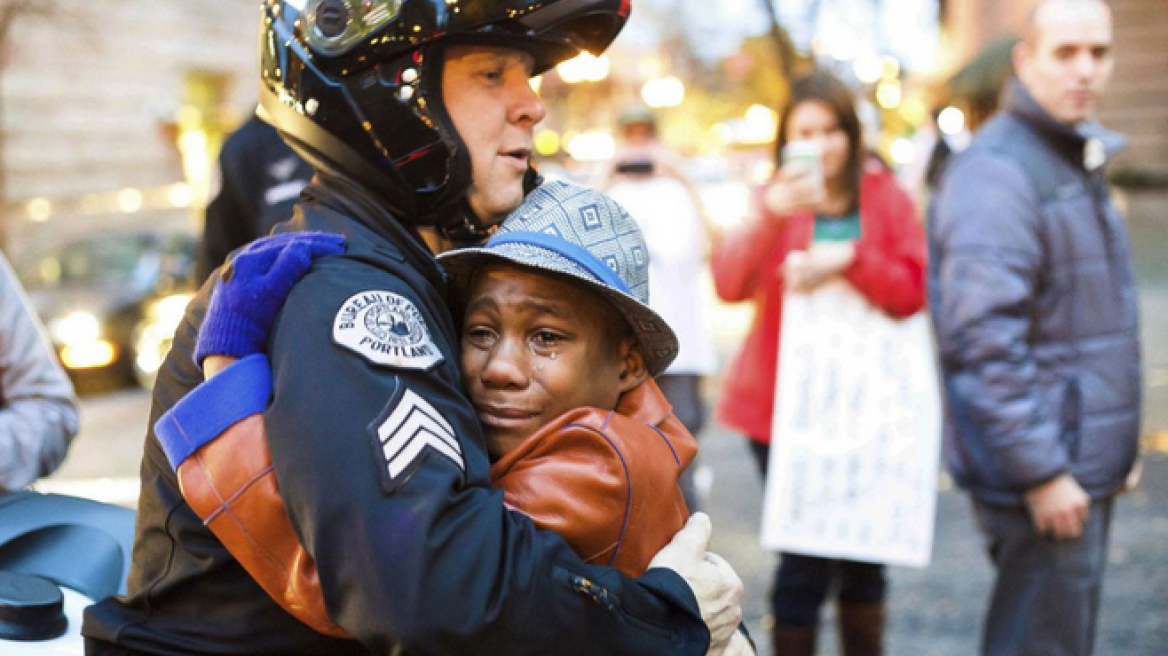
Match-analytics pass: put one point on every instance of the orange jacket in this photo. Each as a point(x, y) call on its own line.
point(606, 481)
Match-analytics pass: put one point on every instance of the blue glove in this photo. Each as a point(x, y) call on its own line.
point(252, 290)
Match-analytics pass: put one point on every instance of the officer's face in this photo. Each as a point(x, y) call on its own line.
point(535, 346)
point(490, 99)
point(1065, 61)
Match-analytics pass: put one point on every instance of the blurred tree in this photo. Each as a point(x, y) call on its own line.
point(11, 12)
point(724, 90)
point(783, 45)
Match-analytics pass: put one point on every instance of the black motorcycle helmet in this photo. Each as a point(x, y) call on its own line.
point(355, 86)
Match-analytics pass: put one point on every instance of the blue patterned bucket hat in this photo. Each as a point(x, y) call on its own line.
point(578, 232)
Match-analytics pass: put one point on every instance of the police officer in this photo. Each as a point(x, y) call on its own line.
point(259, 181)
point(414, 113)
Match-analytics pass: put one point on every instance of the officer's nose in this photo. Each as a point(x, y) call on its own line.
point(526, 107)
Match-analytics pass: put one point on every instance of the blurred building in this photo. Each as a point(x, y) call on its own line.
point(1137, 101)
point(113, 110)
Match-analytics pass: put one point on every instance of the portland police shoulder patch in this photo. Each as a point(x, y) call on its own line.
point(387, 329)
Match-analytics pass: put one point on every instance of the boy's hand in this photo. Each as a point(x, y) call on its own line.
point(253, 288)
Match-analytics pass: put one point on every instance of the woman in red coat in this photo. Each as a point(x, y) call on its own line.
point(852, 221)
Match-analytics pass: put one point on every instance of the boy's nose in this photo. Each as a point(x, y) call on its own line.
point(505, 366)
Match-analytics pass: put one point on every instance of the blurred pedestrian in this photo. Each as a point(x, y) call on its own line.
point(38, 410)
point(1035, 310)
point(853, 221)
point(936, 148)
point(946, 146)
point(647, 178)
point(260, 179)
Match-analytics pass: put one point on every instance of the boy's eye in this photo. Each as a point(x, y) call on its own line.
point(479, 336)
point(546, 340)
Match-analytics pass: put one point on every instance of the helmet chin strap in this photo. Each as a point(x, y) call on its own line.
point(471, 230)
point(466, 229)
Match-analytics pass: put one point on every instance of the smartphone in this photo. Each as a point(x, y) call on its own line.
point(807, 155)
point(635, 167)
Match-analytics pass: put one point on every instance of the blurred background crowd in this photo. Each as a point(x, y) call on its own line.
point(113, 115)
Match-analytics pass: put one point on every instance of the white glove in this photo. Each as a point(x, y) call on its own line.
point(713, 581)
point(738, 646)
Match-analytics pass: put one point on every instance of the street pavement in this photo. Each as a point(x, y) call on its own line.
point(935, 611)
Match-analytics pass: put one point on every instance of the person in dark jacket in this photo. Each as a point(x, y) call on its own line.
point(413, 114)
point(1035, 311)
point(260, 179)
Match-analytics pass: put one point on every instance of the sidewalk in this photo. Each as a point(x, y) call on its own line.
point(937, 611)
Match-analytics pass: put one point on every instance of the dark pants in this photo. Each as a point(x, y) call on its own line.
point(98, 648)
point(683, 391)
point(802, 583)
point(1046, 594)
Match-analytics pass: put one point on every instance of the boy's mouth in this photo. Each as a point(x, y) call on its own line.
point(502, 416)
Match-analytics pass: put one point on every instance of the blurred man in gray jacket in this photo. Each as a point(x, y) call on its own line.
point(38, 411)
point(1035, 309)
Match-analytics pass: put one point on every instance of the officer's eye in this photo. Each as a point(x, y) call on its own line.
point(494, 74)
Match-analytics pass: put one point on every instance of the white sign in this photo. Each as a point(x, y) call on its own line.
point(853, 462)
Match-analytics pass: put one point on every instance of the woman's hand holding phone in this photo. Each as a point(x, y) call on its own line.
point(798, 186)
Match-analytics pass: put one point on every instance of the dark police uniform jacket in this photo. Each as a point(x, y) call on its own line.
point(385, 475)
point(260, 183)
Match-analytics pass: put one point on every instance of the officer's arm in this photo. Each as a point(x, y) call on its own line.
point(384, 474)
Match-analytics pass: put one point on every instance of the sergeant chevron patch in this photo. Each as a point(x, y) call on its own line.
point(406, 432)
